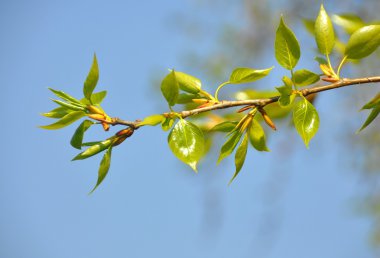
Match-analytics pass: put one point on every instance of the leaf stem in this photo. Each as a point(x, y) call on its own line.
point(340, 65)
point(218, 89)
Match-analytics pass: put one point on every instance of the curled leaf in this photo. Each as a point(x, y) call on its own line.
point(65, 121)
point(91, 80)
point(77, 139)
point(240, 155)
point(103, 168)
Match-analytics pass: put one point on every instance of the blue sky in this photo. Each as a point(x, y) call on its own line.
point(150, 205)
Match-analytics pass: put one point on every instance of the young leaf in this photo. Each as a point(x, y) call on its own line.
point(185, 98)
point(226, 126)
point(153, 120)
point(91, 80)
point(374, 104)
point(229, 146)
point(287, 49)
point(188, 83)
point(103, 168)
point(95, 149)
point(71, 106)
point(77, 139)
point(286, 96)
point(65, 121)
point(66, 97)
point(257, 136)
point(306, 120)
point(97, 98)
point(170, 88)
point(58, 112)
point(324, 32)
point(240, 155)
point(309, 25)
point(375, 111)
point(246, 75)
point(304, 77)
point(167, 123)
point(349, 22)
point(363, 42)
point(320, 60)
point(186, 141)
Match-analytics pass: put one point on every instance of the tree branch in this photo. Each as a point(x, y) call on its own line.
point(255, 102)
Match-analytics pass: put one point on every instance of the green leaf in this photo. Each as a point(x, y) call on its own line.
point(91, 80)
point(185, 98)
point(324, 32)
point(170, 88)
point(69, 105)
point(77, 139)
point(246, 75)
point(306, 120)
point(98, 97)
point(90, 143)
point(58, 112)
point(95, 149)
point(349, 22)
point(167, 123)
point(152, 120)
point(321, 60)
point(66, 97)
point(309, 25)
point(305, 77)
point(287, 49)
point(65, 121)
point(186, 141)
point(375, 111)
point(240, 155)
point(257, 136)
point(363, 42)
point(229, 146)
point(286, 92)
point(187, 82)
point(103, 168)
point(373, 103)
point(226, 126)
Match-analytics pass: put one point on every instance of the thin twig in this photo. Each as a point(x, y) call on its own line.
point(256, 102)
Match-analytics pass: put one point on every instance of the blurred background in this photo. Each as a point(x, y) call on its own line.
point(291, 202)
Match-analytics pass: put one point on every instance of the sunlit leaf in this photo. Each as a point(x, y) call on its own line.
point(103, 168)
point(240, 155)
point(188, 82)
point(167, 123)
point(152, 120)
point(65, 121)
point(246, 75)
point(186, 141)
point(66, 96)
point(257, 136)
point(96, 98)
point(170, 88)
point(58, 112)
point(67, 105)
point(305, 77)
point(349, 22)
point(91, 80)
point(363, 42)
point(287, 49)
point(306, 120)
point(95, 149)
point(77, 139)
point(226, 126)
point(229, 146)
point(324, 32)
